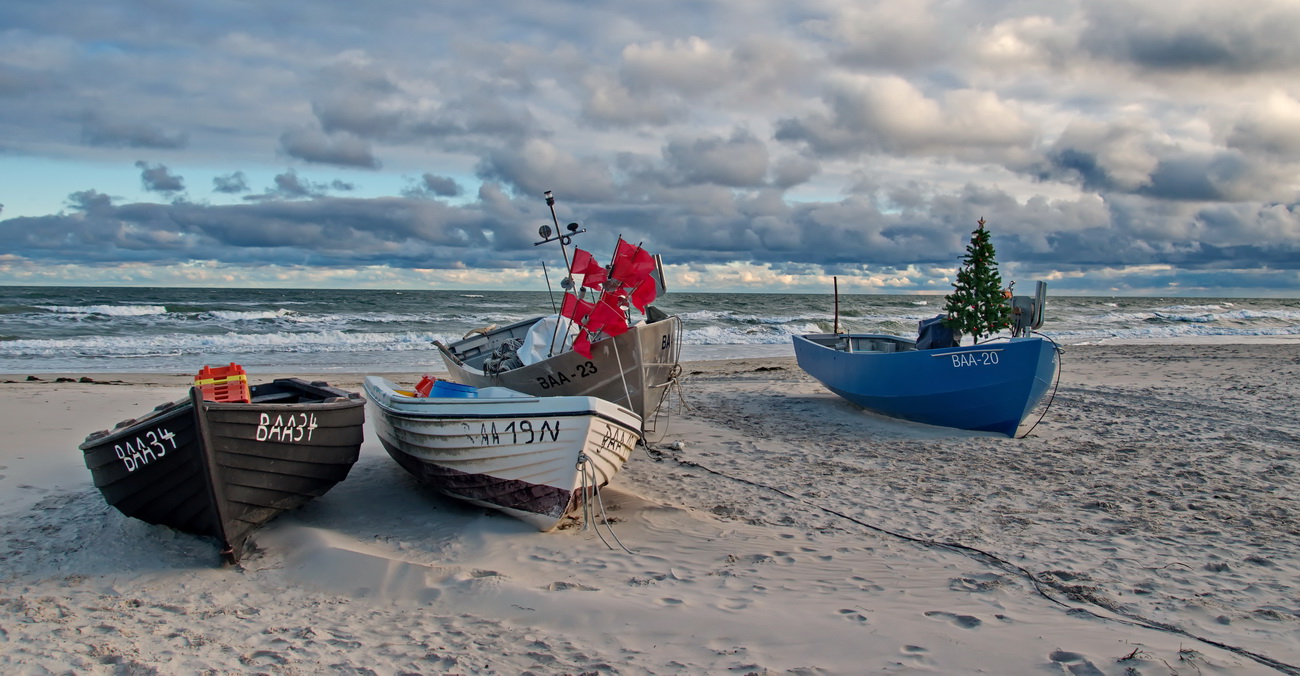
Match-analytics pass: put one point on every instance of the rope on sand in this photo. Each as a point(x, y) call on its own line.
point(1039, 585)
point(589, 489)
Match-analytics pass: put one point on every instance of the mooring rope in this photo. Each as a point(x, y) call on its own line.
point(588, 472)
point(627, 392)
point(1059, 359)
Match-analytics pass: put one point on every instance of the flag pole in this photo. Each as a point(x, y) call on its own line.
point(548, 288)
point(836, 280)
point(564, 238)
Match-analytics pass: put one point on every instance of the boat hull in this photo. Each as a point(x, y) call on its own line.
point(633, 370)
point(534, 458)
point(990, 387)
point(223, 469)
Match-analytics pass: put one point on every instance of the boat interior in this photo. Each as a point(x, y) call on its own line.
point(862, 342)
point(294, 391)
point(493, 350)
point(481, 345)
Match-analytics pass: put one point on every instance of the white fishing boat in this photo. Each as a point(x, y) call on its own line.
point(535, 458)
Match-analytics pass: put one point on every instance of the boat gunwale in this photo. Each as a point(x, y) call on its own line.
point(380, 400)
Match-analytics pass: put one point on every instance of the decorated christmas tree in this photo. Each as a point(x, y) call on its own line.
point(978, 305)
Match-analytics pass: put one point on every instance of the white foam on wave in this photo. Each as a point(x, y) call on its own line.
point(106, 310)
point(177, 343)
point(230, 315)
point(763, 335)
point(1169, 333)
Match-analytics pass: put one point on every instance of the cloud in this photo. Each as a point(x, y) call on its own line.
point(739, 161)
point(231, 183)
point(537, 166)
point(869, 114)
point(339, 149)
point(158, 178)
point(1134, 156)
point(1270, 126)
point(434, 186)
point(289, 185)
point(1123, 137)
point(1197, 36)
point(96, 131)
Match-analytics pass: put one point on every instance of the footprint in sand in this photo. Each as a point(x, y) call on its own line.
point(917, 658)
point(566, 586)
point(1074, 663)
point(853, 615)
point(977, 583)
point(963, 621)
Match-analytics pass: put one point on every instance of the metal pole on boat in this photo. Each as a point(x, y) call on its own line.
point(836, 281)
point(564, 238)
point(549, 289)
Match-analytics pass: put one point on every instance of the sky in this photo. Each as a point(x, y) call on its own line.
point(1112, 148)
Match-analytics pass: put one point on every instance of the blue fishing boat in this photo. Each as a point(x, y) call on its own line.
point(992, 386)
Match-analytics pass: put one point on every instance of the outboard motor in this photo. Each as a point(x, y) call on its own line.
point(1027, 313)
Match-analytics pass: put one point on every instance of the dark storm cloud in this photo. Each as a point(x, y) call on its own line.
point(158, 178)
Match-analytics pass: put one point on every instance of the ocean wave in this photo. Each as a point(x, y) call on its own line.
point(106, 310)
point(1229, 315)
point(766, 335)
point(254, 315)
point(323, 341)
point(1171, 331)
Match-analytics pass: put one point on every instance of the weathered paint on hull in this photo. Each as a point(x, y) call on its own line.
point(230, 467)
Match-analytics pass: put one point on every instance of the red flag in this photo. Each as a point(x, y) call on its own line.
point(608, 317)
point(644, 294)
point(582, 344)
point(582, 260)
point(632, 264)
point(575, 309)
point(593, 273)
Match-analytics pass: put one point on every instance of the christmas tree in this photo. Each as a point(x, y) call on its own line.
point(978, 305)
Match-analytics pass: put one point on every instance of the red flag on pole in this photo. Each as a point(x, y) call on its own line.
point(644, 294)
point(632, 264)
point(582, 344)
point(607, 317)
point(593, 273)
point(575, 309)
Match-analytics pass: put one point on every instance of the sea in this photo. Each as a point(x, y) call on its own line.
point(88, 330)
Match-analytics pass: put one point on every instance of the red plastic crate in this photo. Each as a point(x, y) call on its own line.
point(224, 384)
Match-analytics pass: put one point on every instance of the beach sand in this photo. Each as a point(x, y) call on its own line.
point(1149, 524)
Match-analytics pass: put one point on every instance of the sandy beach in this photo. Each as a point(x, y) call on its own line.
point(1148, 524)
